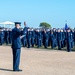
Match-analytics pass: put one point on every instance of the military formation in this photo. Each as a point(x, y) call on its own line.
point(41, 37)
point(29, 37)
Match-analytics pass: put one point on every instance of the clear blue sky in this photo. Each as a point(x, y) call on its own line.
point(55, 12)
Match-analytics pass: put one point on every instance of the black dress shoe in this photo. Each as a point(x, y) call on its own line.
point(18, 70)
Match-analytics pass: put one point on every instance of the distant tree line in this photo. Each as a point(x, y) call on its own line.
point(44, 25)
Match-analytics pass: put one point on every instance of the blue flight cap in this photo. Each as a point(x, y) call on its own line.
point(18, 23)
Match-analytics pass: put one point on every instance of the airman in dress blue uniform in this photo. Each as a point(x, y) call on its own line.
point(68, 39)
point(65, 35)
point(32, 37)
point(1, 36)
point(53, 40)
point(46, 38)
point(59, 39)
point(35, 41)
point(62, 38)
point(55, 35)
point(29, 38)
point(10, 36)
point(24, 40)
point(39, 38)
point(7, 36)
point(74, 37)
point(16, 46)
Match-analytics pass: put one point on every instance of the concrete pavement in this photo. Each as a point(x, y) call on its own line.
point(38, 62)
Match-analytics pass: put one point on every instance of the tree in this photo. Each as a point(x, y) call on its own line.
point(45, 25)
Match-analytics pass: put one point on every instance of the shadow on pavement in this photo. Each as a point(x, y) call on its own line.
point(5, 69)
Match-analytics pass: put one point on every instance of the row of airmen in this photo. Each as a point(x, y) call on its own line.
point(45, 37)
point(5, 36)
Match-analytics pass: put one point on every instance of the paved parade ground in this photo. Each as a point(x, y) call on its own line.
point(38, 62)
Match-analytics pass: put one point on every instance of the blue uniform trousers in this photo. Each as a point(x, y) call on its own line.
point(32, 42)
point(24, 42)
point(59, 44)
point(7, 40)
point(29, 42)
point(46, 43)
point(53, 43)
point(1, 40)
point(39, 43)
point(68, 46)
point(16, 58)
